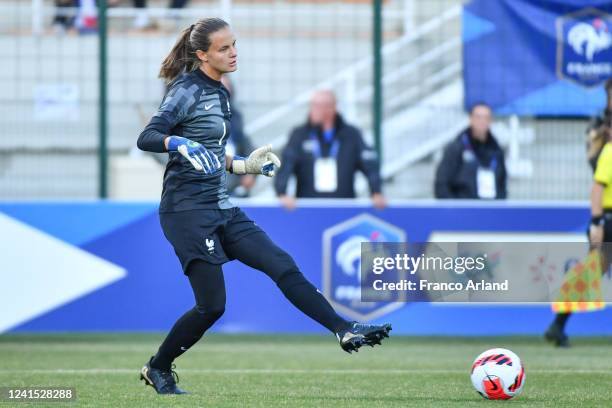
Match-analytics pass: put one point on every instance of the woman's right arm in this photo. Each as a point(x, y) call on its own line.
point(152, 140)
point(156, 135)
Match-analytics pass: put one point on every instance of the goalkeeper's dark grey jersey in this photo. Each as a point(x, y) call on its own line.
point(196, 107)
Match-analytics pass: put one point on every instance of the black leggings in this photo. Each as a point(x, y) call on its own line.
point(257, 251)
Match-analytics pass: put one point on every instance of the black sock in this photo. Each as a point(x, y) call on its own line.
point(561, 319)
point(209, 291)
point(185, 333)
point(303, 295)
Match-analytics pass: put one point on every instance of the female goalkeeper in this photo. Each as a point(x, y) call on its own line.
point(204, 227)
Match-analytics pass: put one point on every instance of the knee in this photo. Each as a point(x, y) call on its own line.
point(290, 278)
point(284, 269)
point(211, 314)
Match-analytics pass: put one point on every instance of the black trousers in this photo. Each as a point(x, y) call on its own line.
point(259, 252)
point(253, 248)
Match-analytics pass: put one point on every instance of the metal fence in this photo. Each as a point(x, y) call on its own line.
point(49, 107)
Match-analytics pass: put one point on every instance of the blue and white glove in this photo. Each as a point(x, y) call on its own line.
point(198, 156)
point(260, 161)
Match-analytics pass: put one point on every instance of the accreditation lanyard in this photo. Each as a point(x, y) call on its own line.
point(467, 146)
point(317, 151)
point(325, 168)
point(485, 176)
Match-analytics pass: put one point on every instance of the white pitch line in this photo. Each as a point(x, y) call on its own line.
point(289, 371)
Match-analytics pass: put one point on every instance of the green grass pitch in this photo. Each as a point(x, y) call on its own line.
point(303, 371)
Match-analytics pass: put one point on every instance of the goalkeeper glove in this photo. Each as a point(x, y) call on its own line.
point(198, 156)
point(260, 161)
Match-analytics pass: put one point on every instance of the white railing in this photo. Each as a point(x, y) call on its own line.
point(346, 79)
point(444, 75)
point(402, 71)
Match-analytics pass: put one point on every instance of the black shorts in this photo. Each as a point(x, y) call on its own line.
point(202, 234)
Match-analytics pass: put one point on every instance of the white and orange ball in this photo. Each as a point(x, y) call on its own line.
point(498, 374)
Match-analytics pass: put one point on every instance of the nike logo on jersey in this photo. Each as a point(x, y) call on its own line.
point(208, 107)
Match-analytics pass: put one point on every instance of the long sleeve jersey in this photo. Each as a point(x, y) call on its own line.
point(196, 107)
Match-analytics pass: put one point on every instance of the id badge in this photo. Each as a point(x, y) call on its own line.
point(485, 181)
point(325, 175)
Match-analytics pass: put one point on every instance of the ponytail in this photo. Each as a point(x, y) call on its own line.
point(182, 57)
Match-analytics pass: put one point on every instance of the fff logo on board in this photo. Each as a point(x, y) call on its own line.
point(584, 47)
point(342, 265)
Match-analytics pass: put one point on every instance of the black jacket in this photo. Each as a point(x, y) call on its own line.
point(196, 107)
point(456, 173)
point(353, 155)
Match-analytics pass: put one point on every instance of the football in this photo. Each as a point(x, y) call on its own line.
point(498, 374)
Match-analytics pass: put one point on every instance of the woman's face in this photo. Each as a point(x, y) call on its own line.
point(480, 121)
point(222, 55)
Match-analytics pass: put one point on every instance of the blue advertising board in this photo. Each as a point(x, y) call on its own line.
point(103, 266)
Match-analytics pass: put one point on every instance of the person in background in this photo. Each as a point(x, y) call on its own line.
point(240, 144)
point(62, 21)
point(83, 16)
point(142, 20)
point(324, 154)
point(472, 165)
point(600, 228)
